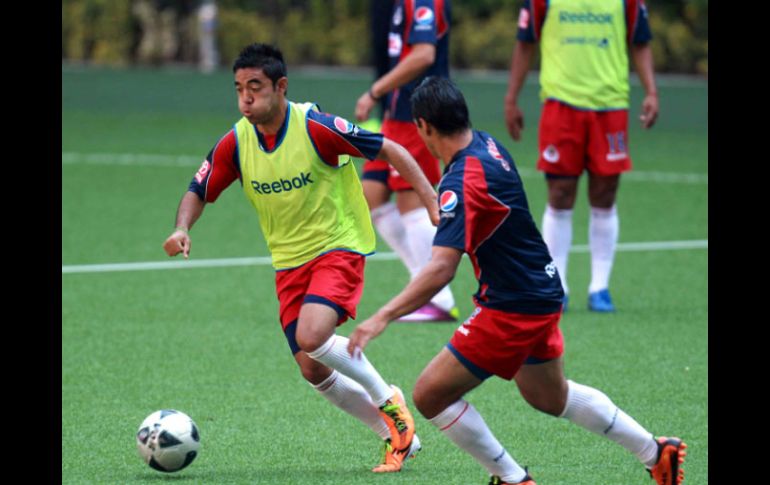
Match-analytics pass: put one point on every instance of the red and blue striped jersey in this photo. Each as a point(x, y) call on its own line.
point(484, 213)
point(414, 22)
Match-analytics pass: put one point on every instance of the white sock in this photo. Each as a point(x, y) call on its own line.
point(348, 395)
point(557, 234)
point(334, 353)
point(387, 221)
point(594, 411)
point(419, 234)
point(462, 424)
point(603, 230)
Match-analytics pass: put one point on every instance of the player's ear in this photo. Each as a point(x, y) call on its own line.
point(422, 125)
point(282, 84)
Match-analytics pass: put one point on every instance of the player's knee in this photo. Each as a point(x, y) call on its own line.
point(548, 402)
point(424, 400)
point(313, 372)
point(561, 198)
point(309, 341)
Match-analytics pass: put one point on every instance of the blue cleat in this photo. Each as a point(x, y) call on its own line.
point(600, 301)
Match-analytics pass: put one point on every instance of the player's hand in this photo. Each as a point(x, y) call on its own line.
point(178, 242)
point(649, 111)
point(514, 120)
point(364, 106)
point(365, 332)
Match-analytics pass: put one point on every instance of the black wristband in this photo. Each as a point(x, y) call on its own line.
point(371, 94)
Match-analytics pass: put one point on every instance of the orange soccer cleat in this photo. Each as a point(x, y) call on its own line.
point(667, 470)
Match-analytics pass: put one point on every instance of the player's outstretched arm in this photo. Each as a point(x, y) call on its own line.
point(514, 118)
point(190, 209)
point(642, 57)
point(407, 167)
point(435, 275)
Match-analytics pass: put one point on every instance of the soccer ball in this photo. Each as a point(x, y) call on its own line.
point(168, 440)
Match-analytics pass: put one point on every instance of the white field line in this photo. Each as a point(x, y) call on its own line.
point(157, 160)
point(265, 261)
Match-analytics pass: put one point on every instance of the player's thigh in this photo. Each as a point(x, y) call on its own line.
point(562, 191)
point(443, 381)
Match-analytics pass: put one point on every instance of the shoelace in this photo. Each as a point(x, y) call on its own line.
point(385, 449)
point(392, 410)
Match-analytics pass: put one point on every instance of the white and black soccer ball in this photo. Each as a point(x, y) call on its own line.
point(168, 440)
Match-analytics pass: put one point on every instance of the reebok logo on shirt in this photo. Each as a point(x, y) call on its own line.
point(281, 185)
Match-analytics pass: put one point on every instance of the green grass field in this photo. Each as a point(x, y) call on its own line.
point(207, 340)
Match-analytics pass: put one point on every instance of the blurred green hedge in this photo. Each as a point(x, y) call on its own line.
point(336, 32)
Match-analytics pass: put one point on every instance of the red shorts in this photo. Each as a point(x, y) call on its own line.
point(497, 342)
point(335, 279)
point(573, 140)
point(405, 134)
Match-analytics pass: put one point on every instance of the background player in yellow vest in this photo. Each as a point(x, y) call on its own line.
point(584, 49)
point(294, 167)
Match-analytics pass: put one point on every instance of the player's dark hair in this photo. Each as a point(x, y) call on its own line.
point(262, 56)
point(439, 102)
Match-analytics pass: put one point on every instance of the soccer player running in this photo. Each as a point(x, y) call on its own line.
point(294, 166)
point(584, 124)
point(418, 46)
point(514, 331)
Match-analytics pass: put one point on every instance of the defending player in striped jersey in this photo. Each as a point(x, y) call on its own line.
point(514, 331)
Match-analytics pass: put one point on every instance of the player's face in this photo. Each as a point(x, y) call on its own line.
point(259, 100)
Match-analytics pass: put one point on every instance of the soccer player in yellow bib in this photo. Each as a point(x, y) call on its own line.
point(584, 125)
point(293, 162)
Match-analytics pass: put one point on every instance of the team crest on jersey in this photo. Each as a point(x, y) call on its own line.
point(423, 18)
point(343, 125)
point(200, 175)
point(550, 269)
point(447, 201)
point(394, 44)
point(551, 154)
point(523, 18)
point(398, 16)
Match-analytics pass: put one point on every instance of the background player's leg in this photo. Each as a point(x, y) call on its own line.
point(544, 387)
point(387, 221)
point(557, 222)
point(419, 234)
point(438, 396)
point(602, 237)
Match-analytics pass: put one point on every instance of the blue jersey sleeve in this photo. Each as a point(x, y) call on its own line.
point(333, 136)
point(451, 228)
point(642, 32)
point(424, 23)
point(526, 30)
